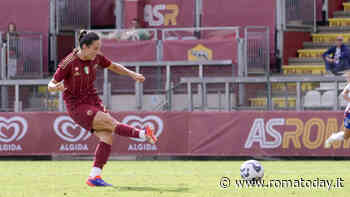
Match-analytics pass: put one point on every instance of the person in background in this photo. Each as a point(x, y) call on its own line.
point(134, 33)
point(337, 57)
point(13, 42)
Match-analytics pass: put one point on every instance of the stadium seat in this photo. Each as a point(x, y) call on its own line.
point(339, 22)
point(291, 87)
point(331, 86)
point(330, 38)
point(346, 6)
point(304, 69)
point(327, 99)
point(312, 99)
point(311, 53)
point(278, 102)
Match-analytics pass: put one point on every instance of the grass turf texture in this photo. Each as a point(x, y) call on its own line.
point(161, 178)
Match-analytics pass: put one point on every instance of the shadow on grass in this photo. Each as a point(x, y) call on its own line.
point(150, 189)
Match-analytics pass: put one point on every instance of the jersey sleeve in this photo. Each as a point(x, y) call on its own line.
point(347, 87)
point(104, 61)
point(61, 73)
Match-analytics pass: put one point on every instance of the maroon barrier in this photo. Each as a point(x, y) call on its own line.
point(102, 13)
point(240, 13)
point(16, 11)
point(178, 50)
point(244, 133)
point(130, 50)
point(170, 13)
point(265, 133)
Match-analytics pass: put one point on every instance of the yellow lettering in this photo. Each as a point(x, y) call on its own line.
point(293, 136)
point(307, 133)
point(170, 18)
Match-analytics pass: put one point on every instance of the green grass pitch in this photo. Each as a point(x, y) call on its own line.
point(162, 178)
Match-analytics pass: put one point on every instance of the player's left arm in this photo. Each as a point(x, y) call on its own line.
point(122, 70)
point(119, 69)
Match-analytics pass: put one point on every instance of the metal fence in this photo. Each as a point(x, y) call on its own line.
point(158, 93)
point(299, 13)
point(28, 95)
point(292, 96)
point(2, 58)
point(72, 14)
point(257, 49)
point(24, 55)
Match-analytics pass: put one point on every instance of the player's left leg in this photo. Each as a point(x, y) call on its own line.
point(340, 136)
point(102, 153)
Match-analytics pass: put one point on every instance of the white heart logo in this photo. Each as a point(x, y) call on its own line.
point(19, 125)
point(61, 125)
point(152, 121)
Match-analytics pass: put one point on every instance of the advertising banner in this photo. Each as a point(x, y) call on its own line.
point(244, 133)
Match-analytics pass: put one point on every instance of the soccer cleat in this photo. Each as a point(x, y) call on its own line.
point(150, 137)
point(97, 181)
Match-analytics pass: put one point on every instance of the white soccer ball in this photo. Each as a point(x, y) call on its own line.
point(252, 170)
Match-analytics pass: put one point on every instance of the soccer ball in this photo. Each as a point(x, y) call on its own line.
point(252, 170)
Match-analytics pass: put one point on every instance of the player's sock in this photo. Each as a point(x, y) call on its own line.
point(95, 171)
point(129, 131)
point(337, 136)
point(102, 153)
point(334, 137)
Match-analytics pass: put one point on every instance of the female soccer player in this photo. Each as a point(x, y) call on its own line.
point(75, 76)
point(342, 135)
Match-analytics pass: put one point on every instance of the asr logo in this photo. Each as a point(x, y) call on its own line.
point(199, 52)
point(161, 14)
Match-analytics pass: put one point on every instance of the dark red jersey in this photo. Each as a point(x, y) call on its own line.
point(79, 76)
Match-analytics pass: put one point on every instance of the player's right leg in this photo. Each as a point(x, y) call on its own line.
point(105, 122)
point(104, 126)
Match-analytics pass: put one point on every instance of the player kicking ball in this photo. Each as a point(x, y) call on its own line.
point(75, 77)
point(342, 135)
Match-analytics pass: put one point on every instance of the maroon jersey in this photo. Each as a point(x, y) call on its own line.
point(79, 76)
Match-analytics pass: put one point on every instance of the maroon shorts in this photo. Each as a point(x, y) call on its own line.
point(83, 113)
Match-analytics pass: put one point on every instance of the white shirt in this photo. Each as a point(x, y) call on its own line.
point(347, 87)
point(337, 55)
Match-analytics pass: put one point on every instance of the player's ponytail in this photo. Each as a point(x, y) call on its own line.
point(87, 38)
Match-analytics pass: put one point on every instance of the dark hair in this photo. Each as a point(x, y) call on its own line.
point(87, 38)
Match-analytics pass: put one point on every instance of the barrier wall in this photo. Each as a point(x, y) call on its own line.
point(192, 50)
point(16, 11)
point(240, 13)
point(130, 50)
point(170, 13)
point(102, 13)
point(246, 133)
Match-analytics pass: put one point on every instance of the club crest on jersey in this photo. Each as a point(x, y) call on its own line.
point(86, 69)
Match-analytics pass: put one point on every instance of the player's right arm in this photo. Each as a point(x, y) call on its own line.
point(62, 72)
point(346, 92)
point(55, 86)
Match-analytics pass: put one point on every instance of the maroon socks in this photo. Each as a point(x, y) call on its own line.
point(102, 153)
point(127, 131)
